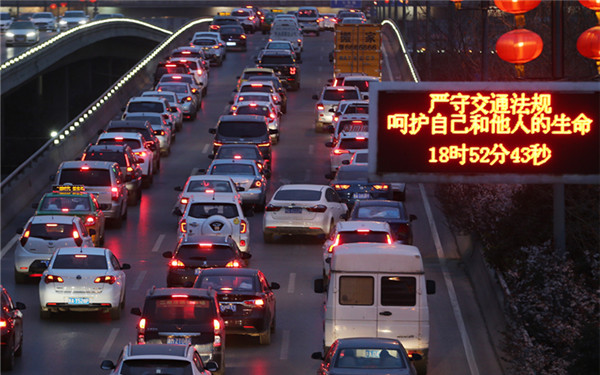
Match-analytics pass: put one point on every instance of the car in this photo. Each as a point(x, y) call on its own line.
point(284, 64)
point(222, 20)
point(269, 111)
point(130, 167)
point(252, 72)
point(288, 30)
point(152, 104)
point(327, 21)
point(102, 178)
point(234, 37)
point(184, 316)
point(278, 88)
point(256, 97)
point(243, 129)
point(352, 21)
point(171, 97)
point(330, 97)
point(308, 18)
point(362, 82)
point(106, 16)
point(144, 128)
point(392, 212)
point(185, 95)
point(366, 355)
point(210, 251)
point(200, 186)
point(163, 130)
point(352, 184)
point(21, 32)
point(73, 18)
point(5, 21)
point(197, 67)
point(345, 146)
point(11, 326)
point(284, 45)
point(83, 279)
point(213, 49)
point(247, 18)
point(247, 175)
point(41, 236)
point(194, 52)
point(24, 16)
point(348, 107)
point(242, 151)
point(136, 142)
point(302, 209)
point(186, 78)
point(159, 359)
point(45, 21)
point(170, 67)
point(343, 13)
point(348, 123)
point(70, 200)
point(262, 86)
point(268, 20)
point(219, 216)
point(246, 300)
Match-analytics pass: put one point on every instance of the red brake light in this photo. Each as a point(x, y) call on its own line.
point(108, 279)
point(339, 151)
point(114, 191)
point(85, 168)
point(363, 230)
point(380, 187)
point(205, 244)
point(341, 186)
point(272, 115)
point(275, 98)
point(320, 107)
point(199, 71)
point(180, 296)
point(271, 208)
point(176, 77)
point(299, 40)
point(64, 210)
point(317, 208)
point(293, 70)
point(264, 144)
point(360, 138)
point(243, 36)
point(233, 264)
point(216, 325)
point(25, 235)
point(334, 244)
point(209, 191)
point(243, 226)
point(90, 220)
point(142, 324)
point(237, 157)
point(170, 65)
point(389, 239)
point(141, 153)
point(176, 263)
point(186, 52)
point(253, 104)
point(256, 85)
point(255, 302)
point(53, 279)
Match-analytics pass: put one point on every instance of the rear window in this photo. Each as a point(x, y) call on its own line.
point(200, 253)
point(240, 13)
point(227, 282)
point(206, 210)
point(259, 110)
point(156, 366)
point(204, 185)
point(356, 290)
point(51, 231)
point(298, 195)
point(398, 291)
point(182, 89)
point(133, 143)
point(65, 203)
point(170, 97)
point(80, 262)
point(89, 177)
point(248, 97)
point(363, 86)
point(379, 212)
point(229, 169)
point(275, 45)
point(231, 30)
point(357, 109)
point(247, 75)
point(204, 42)
point(256, 88)
point(354, 126)
point(143, 131)
point(178, 310)
point(370, 236)
point(353, 144)
point(242, 129)
point(153, 120)
point(307, 13)
point(145, 107)
point(279, 60)
point(117, 157)
point(243, 152)
point(337, 95)
point(225, 21)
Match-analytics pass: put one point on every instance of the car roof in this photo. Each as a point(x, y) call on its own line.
point(60, 219)
point(113, 148)
point(344, 226)
point(147, 98)
point(82, 250)
point(234, 161)
point(213, 177)
point(313, 187)
point(230, 271)
point(112, 135)
point(171, 350)
point(198, 292)
point(96, 164)
point(353, 116)
point(378, 202)
point(253, 70)
point(238, 118)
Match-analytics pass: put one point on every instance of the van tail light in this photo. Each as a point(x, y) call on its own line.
point(317, 208)
point(184, 200)
point(25, 235)
point(89, 221)
point(256, 184)
point(380, 187)
point(217, 330)
point(3, 323)
point(320, 107)
point(341, 187)
point(108, 279)
point(114, 192)
point(183, 226)
point(339, 151)
point(334, 244)
point(271, 208)
point(159, 132)
point(403, 231)
point(255, 302)
point(267, 144)
point(233, 264)
point(293, 70)
point(176, 263)
point(243, 226)
point(53, 279)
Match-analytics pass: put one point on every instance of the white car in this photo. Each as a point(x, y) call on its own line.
point(173, 100)
point(159, 105)
point(136, 142)
point(348, 143)
point(195, 66)
point(247, 18)
point(261, 86)
point(45, 21)
point(185, 95)
point(257, 97)
point(83, 279)
point(220, 216)
point(302, 209)
point(330, 97)
point(40, 238)
point(349, 123)
point(362, 82)
point(202, 186)
point(327, 21)
point(5, 20)
point(21, 32)
point(163, 130)
point(349, 107)
point(73, 18)
point(265, 109)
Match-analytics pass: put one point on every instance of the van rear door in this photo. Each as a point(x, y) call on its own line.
point(356, 314)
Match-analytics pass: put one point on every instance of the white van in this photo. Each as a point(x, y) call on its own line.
point(289, 31)
point(378, 290)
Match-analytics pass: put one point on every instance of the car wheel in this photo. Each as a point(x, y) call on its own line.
point(265, 337)
point(268, 237)
point(20, 278)
point(45, 314)
point(8, 356)
point(115, 313)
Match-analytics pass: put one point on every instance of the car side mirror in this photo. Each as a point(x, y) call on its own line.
point(412, 217)
point(317, 355)
point(430, 286)
point(212, 130)
point(20, 306)
point(136, 311)
point(125, 266)
point(177, 211)
point(167, 254)
point(211, 366)
point(246, 255)
point(107, 365)
point(330, 80)
point(201, 171)
point(274, 286)
point(319, 286)
point(315, 97)
point(329, 144)
point(329, 176)
point(178, 188)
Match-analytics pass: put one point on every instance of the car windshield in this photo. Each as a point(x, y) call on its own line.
point(229, 169)
point(167, 309)
point(242, 129)
point(117, 157)
point(145, 107)
point(231, 30)
point(21, 25)
point(227, 283)
point(204, 42)
point(64, 204)
point(297, 195)
point(80, 262)
point(340, 94)
point(279, 60)
point(379, 212)
point(204, 185)
point(259, 110)
point(354, 126)
point(180, 89)
point(170, 97)
point(42, 15)
point(370, 358)
point(4, 16)
point(357, 109)
point(242, 152)
point(205, 210)
point(211, 252)
point(133, 143)
point(86, 177)
point(353, 144)
point(156, 366)
point(51, 231)
point(363, 236)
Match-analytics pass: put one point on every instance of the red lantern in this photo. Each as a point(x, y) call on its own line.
point(517, 6)
point(519, 46)
point(592, 4)
point(588, 43)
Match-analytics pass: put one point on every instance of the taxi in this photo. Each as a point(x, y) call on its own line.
point(73, 200)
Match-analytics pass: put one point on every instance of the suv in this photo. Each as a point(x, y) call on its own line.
point(104, 178)
point(169, 67)
point(362, 82)
point(308, 18)
point(145, 129)
point(159, 359)
point(12, 330)
point(219, 21)
point(248, 129)
point(284, 64)
point(183, 316)
point(136, 142)
point(150, 104)
point(329, 98)
point(129, 163)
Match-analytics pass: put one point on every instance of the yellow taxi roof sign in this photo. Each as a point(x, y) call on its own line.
point(223, 14)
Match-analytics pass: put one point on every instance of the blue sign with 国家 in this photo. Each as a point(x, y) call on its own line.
point(346, 3)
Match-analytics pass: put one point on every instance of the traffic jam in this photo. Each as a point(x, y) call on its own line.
point(372, 275)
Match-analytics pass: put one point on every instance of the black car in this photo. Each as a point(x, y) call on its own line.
point(242, 151)
point(192, 51)
point(11, 325)
point(392, 212)
point(246, 300)
point(277, 83)
point(352, 184)
point(169, 67)
point(243, 129)
point(183, 316)
point(234, 37)
point(284, 64)
point(191, 256)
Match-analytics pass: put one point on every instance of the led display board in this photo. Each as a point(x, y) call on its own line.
point(513, 132)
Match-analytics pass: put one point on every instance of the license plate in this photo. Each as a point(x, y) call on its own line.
point(179, 340)
point(231, 43)
point(293, 210)
point(227, 307)
point(361, 195)
point(79, 301)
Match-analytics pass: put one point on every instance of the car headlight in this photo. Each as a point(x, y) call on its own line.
point(82, 22)
point(10, 35)
point(63, 22)
point(31, 34)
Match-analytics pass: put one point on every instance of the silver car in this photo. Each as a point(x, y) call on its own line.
point(22, 32)
point(5, 20)
point(330, 97)
point(73, 18)
point(45, 21)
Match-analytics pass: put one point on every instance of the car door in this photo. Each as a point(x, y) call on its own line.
point(355, 313)
point(15, 314)
point(118, 272)
point(268, 293)
point(85, 236)
point(338, 208)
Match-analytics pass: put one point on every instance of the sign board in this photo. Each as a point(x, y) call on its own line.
point(354, 4)
point(358, 49)
point(485, 132)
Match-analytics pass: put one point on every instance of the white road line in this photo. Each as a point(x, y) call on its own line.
point(285, 345)
point(449, 285)
point(158, 243)
point(311, 149)
point(9, 245)
point(138, 280)
point(292, 283)
point(205, 148)
point(387, 63)
point(109, 342)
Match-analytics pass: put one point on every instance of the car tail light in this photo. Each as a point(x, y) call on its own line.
point(388, 238)
point(217, 330)
point(108, 279)
point(25, 235)
point(75, 234)
point(129, 169)
point(320, 107)
point(341, 186)
point(271, 208)
point(89, 221)
point(237, 157)
point(334, 244)
point(340, 90)
point(216, 47)
point(183, 226)
point(360, 138)
point(256, 184)
point(3, 323)
point(214, 27)
point(217, 144)
point(180, 296)
point(53, 279)
point(141, 154)
point(199, 71)
point(264, 144)
point(184, 200)
point(176, 263)
point(317, 208)
point(114, 192)
point(380, 187)
point(339, 151)
point(256, 85)
point(272, 116)
point(243, 226)
point(159, 132)
point(255, 302)
point(299, 40)
point(335, 118)
point(171, 65)
point(233, 107)
point(234, 264)
point(64, 210)
point(293, 70)
point(251, 18)
point(85, 168)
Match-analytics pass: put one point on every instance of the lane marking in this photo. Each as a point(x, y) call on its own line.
point(449, 285)
point(138, 280)
point(311, 149)
point(285, 345)
point(9, 245)
point(159, 241)
point(292, 283)
point(109, 342)
point(205, 148)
